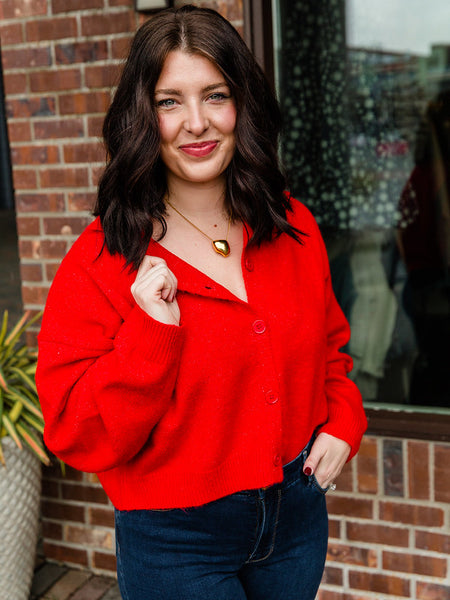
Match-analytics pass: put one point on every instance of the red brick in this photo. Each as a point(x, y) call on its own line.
point(55, 80)
point(15, 83)
point(332, 576)
point(30, 107)
point(418, 475)
point(30, 272)
point(34, 294)
point(84, 153)
point(11, 33)
point(431, 591)
point(65, 225)
point(377, 582)
point(107, 24)
point(16, 9)
point(95, 125)
point(61, 128)
point(52, 531)
point(378, 534)
point(50, 270)
point(34, 155)
point(350, 506)
point(414, 514)
point(28, 249)
point(19, 131)
point(81, 52)
point(106, 562)
point(59, 6)
point(367, 467)
point(24, 179)
point(327, 595)
point(101, 516)
point(52, 248)
point(435, 542)
point(22, 58)
point(353, 555)
point(39, 202)
point(65, 554)
point(90, 536)
point(97, 172)
point(82, 103)
point(81, 201)
point(84, 493)
point(393, 467)
point(58, 511)
point(334, 527)
point(28, 226)
point(50, 29)
point(414, 563)
point(55, 178)
point(120, 46)
point(102, 76)
point(442, 473)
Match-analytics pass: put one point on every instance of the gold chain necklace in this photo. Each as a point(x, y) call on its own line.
point(222, 247)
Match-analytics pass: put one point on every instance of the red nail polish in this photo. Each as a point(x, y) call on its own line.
point(307, 471)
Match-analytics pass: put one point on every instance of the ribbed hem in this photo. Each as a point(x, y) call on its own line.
point(178, 487)
point(154, 341)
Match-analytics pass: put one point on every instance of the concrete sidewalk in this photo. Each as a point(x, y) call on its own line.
point(55, 582)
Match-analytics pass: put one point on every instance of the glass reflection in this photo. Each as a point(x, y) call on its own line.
point(367, 148)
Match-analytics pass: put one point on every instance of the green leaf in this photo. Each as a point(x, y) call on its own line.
point(37, 424)
point(4, 327)
point(33, 442)
point(31, 407)
point(24, 377)
point(11, 430)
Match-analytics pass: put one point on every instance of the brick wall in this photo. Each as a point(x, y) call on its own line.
point(389, 523)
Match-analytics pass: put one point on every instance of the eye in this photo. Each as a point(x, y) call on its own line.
point(218, 96)
point(166, 103)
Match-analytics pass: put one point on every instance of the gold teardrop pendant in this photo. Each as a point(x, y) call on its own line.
point(222, 247)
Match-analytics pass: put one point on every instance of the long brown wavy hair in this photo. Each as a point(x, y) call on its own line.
point(132, 189)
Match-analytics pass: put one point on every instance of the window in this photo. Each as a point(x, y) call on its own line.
point(365, 92)
point(10, 291)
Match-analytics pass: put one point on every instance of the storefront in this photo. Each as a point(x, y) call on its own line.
point(365, 93)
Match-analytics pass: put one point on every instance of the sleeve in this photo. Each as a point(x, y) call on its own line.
point(105, 374)
point(346, 416)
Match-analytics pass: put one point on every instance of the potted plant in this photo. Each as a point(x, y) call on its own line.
point(21, 455)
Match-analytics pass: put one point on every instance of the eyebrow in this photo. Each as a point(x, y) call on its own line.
point(174, 92)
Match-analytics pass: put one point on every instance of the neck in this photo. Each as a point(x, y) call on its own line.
point(198, 199)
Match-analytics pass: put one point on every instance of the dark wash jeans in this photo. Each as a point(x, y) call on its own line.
point(264, 544)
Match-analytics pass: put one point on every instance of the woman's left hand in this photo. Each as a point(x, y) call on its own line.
point(327, 457)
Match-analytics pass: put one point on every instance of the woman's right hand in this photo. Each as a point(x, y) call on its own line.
point(155, 289)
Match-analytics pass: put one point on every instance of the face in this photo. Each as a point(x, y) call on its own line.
point(197, 118)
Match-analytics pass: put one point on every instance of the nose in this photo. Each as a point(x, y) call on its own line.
point(196, 119)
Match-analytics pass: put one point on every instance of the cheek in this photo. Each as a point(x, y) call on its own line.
point(166, 129)
point(229, 120)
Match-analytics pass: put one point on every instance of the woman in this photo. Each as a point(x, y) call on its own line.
point(189, 352)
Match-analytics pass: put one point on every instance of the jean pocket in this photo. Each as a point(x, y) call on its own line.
point(315, 484)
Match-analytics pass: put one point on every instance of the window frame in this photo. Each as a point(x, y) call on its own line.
point(6, 184)
point(400, 420)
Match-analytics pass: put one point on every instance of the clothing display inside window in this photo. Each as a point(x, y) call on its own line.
point(366, 147)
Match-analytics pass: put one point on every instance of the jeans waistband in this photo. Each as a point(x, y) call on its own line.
point(290, 470)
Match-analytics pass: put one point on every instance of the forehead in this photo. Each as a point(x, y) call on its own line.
point(182, 69)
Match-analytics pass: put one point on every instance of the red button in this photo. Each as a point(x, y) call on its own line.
point(259, 326)
point(277, 460)
point(249, 265)
point(271, 398)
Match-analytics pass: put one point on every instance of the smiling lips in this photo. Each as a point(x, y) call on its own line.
point(199, 149)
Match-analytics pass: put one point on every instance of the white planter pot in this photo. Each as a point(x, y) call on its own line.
point(20, 493)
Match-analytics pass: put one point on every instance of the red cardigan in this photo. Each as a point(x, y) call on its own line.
point(179, 416)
